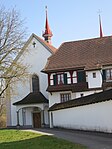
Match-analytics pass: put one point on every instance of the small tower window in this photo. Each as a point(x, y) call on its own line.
point(35, 83)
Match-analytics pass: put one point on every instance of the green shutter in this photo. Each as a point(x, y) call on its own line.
point(81, 77)
point(54, 79)
point(65, 78)
point(104, 75)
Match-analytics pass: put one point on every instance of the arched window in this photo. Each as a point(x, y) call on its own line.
point(35, 83)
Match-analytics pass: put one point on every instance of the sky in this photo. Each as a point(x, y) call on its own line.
point(69, 20)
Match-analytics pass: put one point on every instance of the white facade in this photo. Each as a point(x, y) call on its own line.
point(95, 117)
point(55, 97)
point(94, 82)
point(35, 57)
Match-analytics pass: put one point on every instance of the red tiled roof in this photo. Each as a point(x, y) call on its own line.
point(88, 54)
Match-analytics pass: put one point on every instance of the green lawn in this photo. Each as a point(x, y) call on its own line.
point(17, 139)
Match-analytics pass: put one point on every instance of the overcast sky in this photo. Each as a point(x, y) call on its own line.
point(68, 19)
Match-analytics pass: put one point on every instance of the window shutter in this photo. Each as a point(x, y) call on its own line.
point(65, 78)
point(81, 76)
point(104, 75)
point(54, 79)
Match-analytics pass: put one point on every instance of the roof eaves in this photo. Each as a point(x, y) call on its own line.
point(82, 101)
point(30, 99)
point(45, 70)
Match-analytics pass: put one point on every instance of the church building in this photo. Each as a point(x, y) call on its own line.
point(69, 88)
point(28, 104)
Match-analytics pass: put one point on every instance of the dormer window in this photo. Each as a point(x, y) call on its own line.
point(71, 77)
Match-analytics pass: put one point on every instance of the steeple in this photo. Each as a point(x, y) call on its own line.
point(47, 34)
point(101, 32)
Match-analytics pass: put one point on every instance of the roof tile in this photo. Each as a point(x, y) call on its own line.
point(90, 54)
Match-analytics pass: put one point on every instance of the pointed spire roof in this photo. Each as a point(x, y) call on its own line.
point(47, 28)
point(48, 33)
point(101, 32)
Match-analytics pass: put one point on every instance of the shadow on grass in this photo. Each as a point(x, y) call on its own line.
point(40, 142)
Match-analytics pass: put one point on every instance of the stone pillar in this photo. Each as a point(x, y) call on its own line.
point(43, 123)
point(51, 120)
point(18, 119)
point(24, 116)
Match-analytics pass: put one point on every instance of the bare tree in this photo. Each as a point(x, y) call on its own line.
point(12, 37)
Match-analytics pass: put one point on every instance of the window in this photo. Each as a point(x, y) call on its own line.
point(94, 74)
point(74, 77)
point(52, 79)
point(58, 79)
point(61, 78)
point(65, 97)
point(109, 74)
point(35, 83)
point(68, 77)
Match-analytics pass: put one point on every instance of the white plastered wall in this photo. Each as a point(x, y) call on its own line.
point(95, 117)
point(94, 82)
point(54, 97)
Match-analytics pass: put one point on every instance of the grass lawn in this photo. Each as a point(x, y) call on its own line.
point(17, 139)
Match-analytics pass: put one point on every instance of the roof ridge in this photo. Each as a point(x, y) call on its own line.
point(81, 40)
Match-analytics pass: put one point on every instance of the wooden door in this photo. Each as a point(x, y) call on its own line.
point(37, 120)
